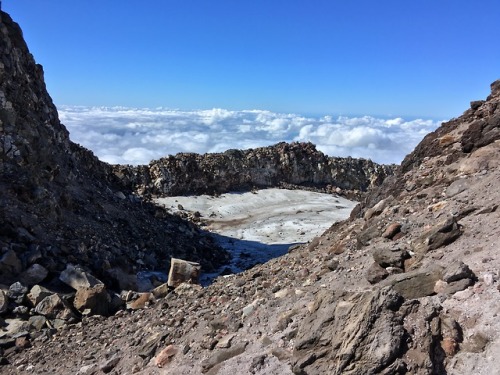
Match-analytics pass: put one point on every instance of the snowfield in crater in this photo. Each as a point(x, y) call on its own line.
point(260, 225)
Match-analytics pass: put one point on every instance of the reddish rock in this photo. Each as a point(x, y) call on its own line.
point(140, 302)
point(392, 230)
point(450, 346)
point(94, 299)
point(166, 356)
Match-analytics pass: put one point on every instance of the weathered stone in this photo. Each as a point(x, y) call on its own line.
point(389, 256)
point(33, 275)
point(183, 271)
point(54, 307)
point(17, 292)
point(415, 284)
point(364, 237)
point(37, 294)
point(391, 230)
point(4, 302)
point(166, 355)
point(223, 355)
point(161, 291)
point(378, 208)
point(140, 302)
point(109, 364)
point(76, 278)
point(37, 322)
point(440, 235)
point(456, 271)
point(93, 299)
point(375, 273)
point(338, 336)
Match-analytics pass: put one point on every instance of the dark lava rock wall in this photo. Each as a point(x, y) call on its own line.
point(297, 164)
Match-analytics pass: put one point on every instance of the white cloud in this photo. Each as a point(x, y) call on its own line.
point(138, 135)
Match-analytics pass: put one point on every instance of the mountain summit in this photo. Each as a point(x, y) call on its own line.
point(408, 285)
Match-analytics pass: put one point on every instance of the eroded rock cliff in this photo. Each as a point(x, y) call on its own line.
point(288, 165)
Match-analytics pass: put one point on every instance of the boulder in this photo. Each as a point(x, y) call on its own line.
point(415, 284)
point(17, 292)
point(93, 300)
point(351, 333)
point(391, 230)
point(456, 271)
point(378, 208)
point(442, 234)
point(392, 256)
point(34, 275)
point(77, 278)
point(4, 301)
point(37, 294)
point(368, 234)
point(375, 273)
point(182, 271)
point(54, 307)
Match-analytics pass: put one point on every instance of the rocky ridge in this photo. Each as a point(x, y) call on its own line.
point(295, 165)
point(408, 285)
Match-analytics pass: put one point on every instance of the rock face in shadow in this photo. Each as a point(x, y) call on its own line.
point(59, 204)
point(295, 164)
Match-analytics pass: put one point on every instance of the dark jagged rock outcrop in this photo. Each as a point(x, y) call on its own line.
point(296, 164)
point(59, 204)
point(454, 140)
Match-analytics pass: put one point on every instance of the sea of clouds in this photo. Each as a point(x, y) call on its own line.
point(135, 136)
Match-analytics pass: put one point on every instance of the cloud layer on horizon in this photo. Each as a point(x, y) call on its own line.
point(135, 136)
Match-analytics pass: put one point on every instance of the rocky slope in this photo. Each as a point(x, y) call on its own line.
point(287, 165)
point(408, 285)
point(59, 204)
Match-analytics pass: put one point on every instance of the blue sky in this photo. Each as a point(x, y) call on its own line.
point(423, 58)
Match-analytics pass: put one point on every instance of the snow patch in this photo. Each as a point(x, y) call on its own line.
point(257, 226)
